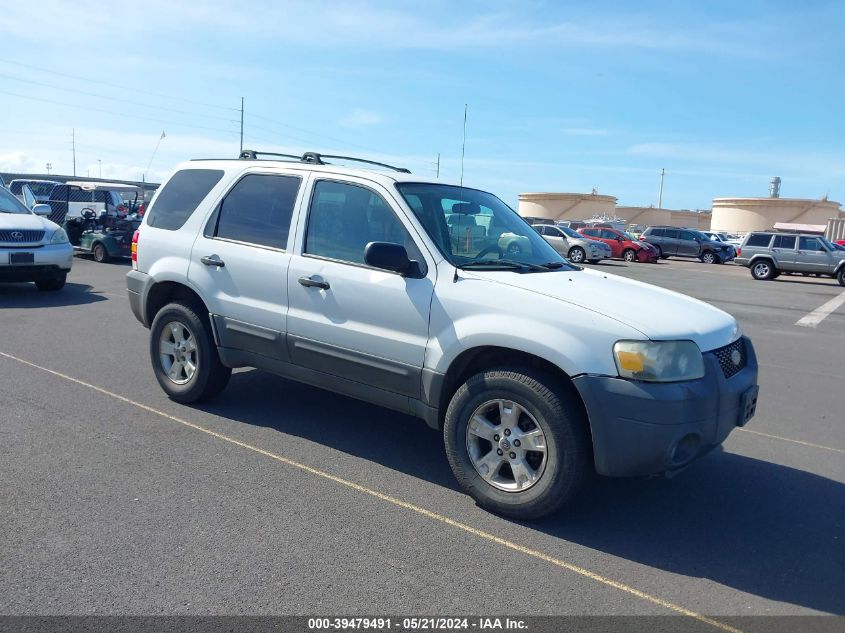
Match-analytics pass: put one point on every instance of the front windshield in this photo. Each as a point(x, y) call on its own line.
point(470, 225)
point(570, 232)
point(630, 237)
point(830, 245)
point(10, 204)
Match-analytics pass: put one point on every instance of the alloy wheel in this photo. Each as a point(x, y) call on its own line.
point(178, 352)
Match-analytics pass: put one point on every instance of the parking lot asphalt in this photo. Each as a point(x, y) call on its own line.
point(279, 498)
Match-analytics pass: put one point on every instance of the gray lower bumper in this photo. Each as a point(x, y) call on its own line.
point(644, 428)
point(137, 285)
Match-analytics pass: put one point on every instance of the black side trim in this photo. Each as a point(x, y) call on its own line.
point(364, 368)
point(249, 337)
point(360, 391)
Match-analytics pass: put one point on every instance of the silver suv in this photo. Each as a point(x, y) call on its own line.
point(769, 254)
point(439, 301)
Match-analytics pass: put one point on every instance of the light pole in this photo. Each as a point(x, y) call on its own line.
point(660, 195)
point(100, 166)
point(49, 167)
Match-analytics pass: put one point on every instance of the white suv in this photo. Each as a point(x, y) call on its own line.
point(363, 282)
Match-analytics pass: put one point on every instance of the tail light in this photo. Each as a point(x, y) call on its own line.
point(121, 209)
point(135, 250)
point(739, 252)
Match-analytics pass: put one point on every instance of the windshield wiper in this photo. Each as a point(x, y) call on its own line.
point(508, 264)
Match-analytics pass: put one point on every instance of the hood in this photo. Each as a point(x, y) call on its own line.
point(658, 313)
point(26, 221)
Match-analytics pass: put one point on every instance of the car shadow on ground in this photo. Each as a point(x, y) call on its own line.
point(19, 295)
point(808, 281)
point(761, 528)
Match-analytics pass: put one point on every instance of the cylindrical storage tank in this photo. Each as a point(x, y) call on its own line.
point(565, 206)
point(740, 215)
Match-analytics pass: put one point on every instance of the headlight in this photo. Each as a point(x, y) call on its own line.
point(59, 237)
point(658, 361)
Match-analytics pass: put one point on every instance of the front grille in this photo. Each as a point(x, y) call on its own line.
point(20, 236)
point(726, 356)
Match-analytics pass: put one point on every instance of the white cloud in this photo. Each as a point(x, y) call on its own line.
point(361, 118)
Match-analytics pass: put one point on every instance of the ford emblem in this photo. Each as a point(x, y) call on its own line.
point(736, 357)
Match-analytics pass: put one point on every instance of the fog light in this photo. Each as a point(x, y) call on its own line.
point(685, 449)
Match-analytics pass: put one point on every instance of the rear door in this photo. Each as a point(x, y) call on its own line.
point(784, 250)
point(347, 319)
point(241, 260)
point(671, 240)
point(812, 256)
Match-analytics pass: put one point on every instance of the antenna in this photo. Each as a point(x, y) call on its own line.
point(464, 146)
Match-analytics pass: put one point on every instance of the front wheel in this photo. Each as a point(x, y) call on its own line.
point(101, 255)
point(577, 255)
point(840, 276)
point(517, 442)
point(709, 257)
point(629, 255)
point(183, 355)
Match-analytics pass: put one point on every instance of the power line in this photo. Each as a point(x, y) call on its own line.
point(113, 85)
point(120, 114)
point(118, 99)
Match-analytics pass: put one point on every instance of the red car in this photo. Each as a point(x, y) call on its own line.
point(622, 245)
point(840, 242)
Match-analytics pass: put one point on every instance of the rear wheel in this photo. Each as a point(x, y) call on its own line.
point(101, 255)
point(517, 442)
point(763, 270)
point(183, 354)
point(577, 254)
point(629, 255)
point(53, 284)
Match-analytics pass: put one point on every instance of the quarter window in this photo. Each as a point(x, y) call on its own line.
point(344, 218)
point(181, 196)
point(784, 241)
point(258, 210)
point(758, 239)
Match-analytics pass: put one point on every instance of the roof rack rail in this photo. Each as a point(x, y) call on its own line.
point(315, 158)
point(251, 154)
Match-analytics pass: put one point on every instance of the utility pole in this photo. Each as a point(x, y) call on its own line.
point(660, 195)
point(242, 126)
point(438, 164)
point(73, 144)
point(49, 167)
point(464, 146)
point(100, 166)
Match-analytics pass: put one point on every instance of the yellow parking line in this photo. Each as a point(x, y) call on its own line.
point(789, 439)
point(399, 503)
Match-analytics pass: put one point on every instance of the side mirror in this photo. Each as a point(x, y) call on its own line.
point(42, 209)
point(388, 256)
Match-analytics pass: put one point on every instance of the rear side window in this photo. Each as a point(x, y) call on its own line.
point(784, 241)
point(758, 239)
point(181, 196)
point(258, 210)
point(656, 232)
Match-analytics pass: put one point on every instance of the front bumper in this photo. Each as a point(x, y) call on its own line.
point(49, 261)
point(642, 428)
point(646, 255)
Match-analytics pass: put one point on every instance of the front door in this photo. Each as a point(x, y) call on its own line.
point(347, 319)
point(812, 256)
point(555, 237)
point(242, 260)
point(688, 245)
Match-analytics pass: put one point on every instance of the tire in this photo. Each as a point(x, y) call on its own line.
point(629, 255)
point(709, 257)
point(53, 284)
point(543, 405)
point(101, 255)
point(840, 276)
point(209, 377)
point(659, 252)
point(577, 255)
point(763, 270)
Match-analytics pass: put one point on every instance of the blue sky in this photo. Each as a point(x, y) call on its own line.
point(563, 96)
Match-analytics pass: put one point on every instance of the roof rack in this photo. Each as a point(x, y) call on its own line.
point(314, 158)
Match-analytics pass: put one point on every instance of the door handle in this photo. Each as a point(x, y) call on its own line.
point(310, 282)
point(212, 260)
